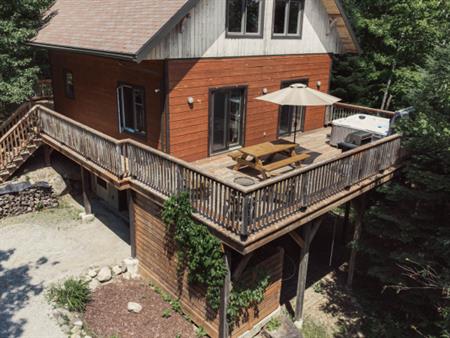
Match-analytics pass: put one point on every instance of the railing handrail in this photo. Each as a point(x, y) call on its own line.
point(11, 130)
point(311, 167)
point(368, 109)
point(201, 171)
point(237, 208)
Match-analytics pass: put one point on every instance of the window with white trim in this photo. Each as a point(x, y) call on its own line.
point(245, 17)
point(288, 18)
point(131, 106)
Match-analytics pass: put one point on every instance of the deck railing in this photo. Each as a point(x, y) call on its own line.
point(241, 210)
point(341, 110)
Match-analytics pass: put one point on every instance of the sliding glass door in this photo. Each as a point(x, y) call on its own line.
point(291, 119)
point(227, 107)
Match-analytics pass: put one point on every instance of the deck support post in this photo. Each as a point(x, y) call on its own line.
point(87, 215)
point(310, 231)
point(224, 297)
point(132, 223)
point(359, 206)
point(302, 273)
point(47, 155)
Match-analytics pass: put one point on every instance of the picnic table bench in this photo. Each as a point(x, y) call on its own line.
point(254, 157)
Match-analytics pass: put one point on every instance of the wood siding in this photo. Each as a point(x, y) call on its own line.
point(157, 261)
point(189, 124)
point(202, 34)
point(95, 81)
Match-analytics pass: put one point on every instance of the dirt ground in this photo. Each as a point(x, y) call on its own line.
point(41, 248)
point(107, 315)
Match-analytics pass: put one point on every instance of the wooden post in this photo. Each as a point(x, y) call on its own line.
point(85, 188)
point(132, 223)
point(47, 155)
point(224, 296)
point(358, 205)
point(346, 219)
point(302, 273)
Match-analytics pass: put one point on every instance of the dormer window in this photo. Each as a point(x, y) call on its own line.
point(288, 18)
point(245, 18)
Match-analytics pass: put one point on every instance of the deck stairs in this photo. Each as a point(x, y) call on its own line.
point(19, 139)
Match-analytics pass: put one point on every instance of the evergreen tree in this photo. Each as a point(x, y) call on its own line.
point(396, 38)
point(19, 21)
point(407, 232)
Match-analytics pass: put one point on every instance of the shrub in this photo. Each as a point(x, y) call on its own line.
point(73, 294)
point(273, 325)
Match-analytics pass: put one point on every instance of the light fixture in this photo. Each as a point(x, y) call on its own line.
point(190, 100)
point(265, 91)
point(319, 84)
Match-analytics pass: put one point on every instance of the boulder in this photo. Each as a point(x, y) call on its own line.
point(92, 273)
point(104, 274)
point(78, 323)
point(116, 270)
point(134, 307)
point(132, 266)
point(93, 284)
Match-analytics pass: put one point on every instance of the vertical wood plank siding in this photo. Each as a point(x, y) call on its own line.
point(241, 210)
point(189, 124)
point(156, 253)
point(95, 81)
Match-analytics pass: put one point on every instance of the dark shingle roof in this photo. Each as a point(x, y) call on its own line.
point(109, 26)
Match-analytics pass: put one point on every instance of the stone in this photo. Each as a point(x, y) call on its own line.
point(116, 270)
point(104, 274)
point(92, 273)
point(126, 276)
point(75, 335)
point(65, 328)
point(78, 323)
point(93, 284)
point(134, 307)
point(87, 336)
point(132, 266)
point(86, 218)
point(86, 278)
point(75, 330)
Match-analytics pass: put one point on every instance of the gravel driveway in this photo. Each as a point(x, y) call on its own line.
point(41, 248)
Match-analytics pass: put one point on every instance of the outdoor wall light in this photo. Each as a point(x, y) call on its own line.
point(265, 91)
point(190, 100)
point(319, 84)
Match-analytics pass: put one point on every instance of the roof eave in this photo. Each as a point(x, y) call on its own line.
point(165, 29)
point(340, 6)
point(103, 53)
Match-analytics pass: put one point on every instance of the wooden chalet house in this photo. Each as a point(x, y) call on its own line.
point(150, 97)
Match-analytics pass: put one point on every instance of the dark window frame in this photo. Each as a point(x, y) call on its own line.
point(242, 33)
point(286, 34)
point(122, 127)
point(284, 84)
point(211, 92)
point(70, 94)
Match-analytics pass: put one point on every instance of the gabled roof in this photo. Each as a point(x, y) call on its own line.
point(110, 27)
point(128, 29)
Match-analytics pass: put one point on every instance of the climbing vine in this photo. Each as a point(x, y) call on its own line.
point(200, 253)
point(197, 249)
point(246, 295)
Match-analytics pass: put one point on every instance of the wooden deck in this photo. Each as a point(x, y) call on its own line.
point(315, 142)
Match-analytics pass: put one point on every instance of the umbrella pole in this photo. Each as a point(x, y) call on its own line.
point(295, 123)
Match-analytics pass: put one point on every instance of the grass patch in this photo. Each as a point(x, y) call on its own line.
point(273, 324)
point(314, 330)
point(73, 294)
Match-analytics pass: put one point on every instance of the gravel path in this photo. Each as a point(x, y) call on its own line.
point(42, 248)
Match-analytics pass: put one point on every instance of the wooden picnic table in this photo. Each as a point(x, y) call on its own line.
point(254, 157)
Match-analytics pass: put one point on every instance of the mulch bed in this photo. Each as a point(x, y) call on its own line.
point(107, 315)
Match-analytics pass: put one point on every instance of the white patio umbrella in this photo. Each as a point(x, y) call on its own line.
point(299, 95)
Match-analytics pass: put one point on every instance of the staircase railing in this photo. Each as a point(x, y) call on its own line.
point(17, 138)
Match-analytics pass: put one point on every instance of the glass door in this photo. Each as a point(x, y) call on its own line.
point(288, 115)
point(226, 118)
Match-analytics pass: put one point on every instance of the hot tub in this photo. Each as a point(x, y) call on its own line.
point(377, 126)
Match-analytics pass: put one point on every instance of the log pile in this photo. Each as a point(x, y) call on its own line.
point(21, 198)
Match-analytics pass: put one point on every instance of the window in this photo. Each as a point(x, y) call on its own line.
point(226, 118)
point(68, 84)
point(288, 18)
point(291, 119)
point(102, 183)
point(131, 102)
point(245, 17)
